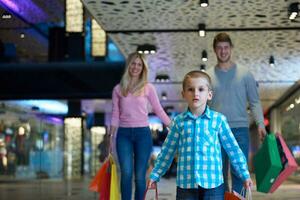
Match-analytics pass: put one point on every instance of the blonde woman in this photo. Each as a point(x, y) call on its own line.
point(130, 122)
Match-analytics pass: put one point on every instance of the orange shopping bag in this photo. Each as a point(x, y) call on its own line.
point(238, 196)
point(98, 180)
point(104, 193)
point(102, 180)
point(231, 196)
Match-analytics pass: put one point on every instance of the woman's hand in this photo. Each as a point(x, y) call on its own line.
point(112, 132)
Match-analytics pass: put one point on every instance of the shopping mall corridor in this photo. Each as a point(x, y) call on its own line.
point(78, 190)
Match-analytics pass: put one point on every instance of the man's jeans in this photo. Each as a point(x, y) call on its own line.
point(200, 193)
point(134, 146)
point(242, 137)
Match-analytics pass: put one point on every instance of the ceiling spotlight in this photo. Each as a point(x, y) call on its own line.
point(202, 67)
point(146, 49)
point(162, 78)
point(204, 56)
point(202, 30)
point(272, 61)
point(22, 35)
point(203, 3)
point(293, 10)
point(6, 15)
point(164, 96)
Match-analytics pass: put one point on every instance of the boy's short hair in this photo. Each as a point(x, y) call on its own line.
point(197, 74)
point(222, 37)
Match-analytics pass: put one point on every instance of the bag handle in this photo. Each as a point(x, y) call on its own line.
point(249, 193)
point(156, 193)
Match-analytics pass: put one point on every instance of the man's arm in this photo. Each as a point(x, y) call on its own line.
point(255, 105)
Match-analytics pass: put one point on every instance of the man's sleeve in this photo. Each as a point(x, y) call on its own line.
point(254, 101)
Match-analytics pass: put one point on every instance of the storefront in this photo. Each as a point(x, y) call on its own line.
point(31, 143)
point(43, 139)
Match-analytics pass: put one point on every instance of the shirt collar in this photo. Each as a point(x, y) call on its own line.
point(189, 114)
point(231, 68)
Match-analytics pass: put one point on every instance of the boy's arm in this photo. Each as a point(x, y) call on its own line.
point(233, 150)
point(166, 155)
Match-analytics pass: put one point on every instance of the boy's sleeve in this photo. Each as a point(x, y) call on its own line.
point(235, 154)
point(166, 155)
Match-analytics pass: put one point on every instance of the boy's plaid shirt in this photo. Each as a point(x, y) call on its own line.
point(198, 142)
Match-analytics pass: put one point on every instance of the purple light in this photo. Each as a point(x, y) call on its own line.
point(10, 5)
point(26, 9)
point(55, 120)
point(50, 119)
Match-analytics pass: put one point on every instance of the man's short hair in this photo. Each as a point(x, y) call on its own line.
point(222, 37)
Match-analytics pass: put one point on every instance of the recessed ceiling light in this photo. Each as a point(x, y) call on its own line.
point(204, 56)
point(203, 3)
point(6, 15)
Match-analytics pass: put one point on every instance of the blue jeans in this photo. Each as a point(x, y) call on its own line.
point(200, 193)
point(242, 137)
point(134, 146)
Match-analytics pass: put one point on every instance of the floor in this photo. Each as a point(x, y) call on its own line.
point(78, 190)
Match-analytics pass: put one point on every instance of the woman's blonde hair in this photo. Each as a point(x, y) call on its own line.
point(143, 79)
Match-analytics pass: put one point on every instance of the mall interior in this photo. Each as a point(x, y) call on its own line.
point(60, 59)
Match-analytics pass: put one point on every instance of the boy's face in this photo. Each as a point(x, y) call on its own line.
point(197, 93)
point(223, 52)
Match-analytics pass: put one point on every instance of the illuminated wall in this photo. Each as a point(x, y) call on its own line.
point(74, 16)
point(73, 147)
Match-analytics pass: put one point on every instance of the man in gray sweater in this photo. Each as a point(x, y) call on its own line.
point(234, 88)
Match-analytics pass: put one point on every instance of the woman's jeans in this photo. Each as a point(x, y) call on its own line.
point(134, 146)
point(200, 193)
point(242, 137)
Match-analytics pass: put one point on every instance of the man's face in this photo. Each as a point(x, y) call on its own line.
point(223, 52)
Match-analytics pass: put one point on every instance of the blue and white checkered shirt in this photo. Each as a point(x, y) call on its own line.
point(198, 140)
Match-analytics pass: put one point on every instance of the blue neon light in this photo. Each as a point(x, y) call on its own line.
point(44, 106)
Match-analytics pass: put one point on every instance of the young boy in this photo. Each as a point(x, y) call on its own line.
point(197, 135)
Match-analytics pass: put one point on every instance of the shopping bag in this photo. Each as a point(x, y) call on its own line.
point(95, 184)
point(104, 193)
point(267, 164)
point(288, 162)
point(231, 196)
point(114, 181)
point(147, 192)
point(101, 182)
point(238, 196)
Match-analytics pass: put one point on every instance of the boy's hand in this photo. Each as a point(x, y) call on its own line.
point(248, 183)
point(152, 184)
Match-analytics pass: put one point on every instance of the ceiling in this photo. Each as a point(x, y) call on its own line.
point(258, 28)
point(31, 18)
